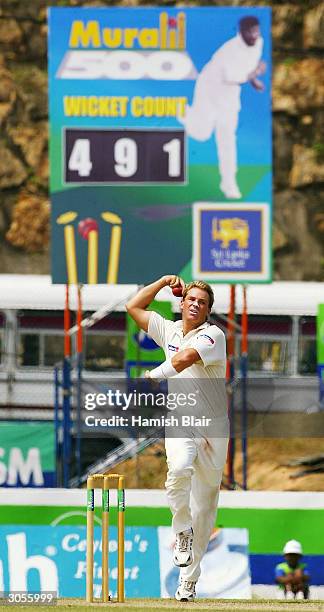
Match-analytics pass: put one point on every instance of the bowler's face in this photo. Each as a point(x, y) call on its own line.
point(251, 35)
point(195, 307)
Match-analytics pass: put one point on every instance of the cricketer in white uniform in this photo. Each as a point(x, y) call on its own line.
point(195, 359)
point(216, 101)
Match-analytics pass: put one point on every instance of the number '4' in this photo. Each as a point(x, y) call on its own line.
point(80, 157)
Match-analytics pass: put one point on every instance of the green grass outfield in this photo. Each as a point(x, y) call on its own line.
point(217, 605)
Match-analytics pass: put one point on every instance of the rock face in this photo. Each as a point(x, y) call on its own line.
point(307, 167)
point(29, 228)
point(297, 86)
point(298, 253)
point(298, 122)
point(314, 27)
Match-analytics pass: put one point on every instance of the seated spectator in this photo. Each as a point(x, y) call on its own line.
point(292, 575)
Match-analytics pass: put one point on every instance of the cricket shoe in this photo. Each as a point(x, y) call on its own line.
point(230, 191)
point(182, 554)
point(186, 591)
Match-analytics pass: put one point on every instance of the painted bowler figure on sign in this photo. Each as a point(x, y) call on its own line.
point(195, 354)
point(216, 102)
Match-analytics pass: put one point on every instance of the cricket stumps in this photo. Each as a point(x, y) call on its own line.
point(105, 483)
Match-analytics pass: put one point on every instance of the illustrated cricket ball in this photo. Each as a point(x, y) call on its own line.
point(86, 226)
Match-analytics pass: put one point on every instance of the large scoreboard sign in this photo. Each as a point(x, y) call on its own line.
point(154, 112)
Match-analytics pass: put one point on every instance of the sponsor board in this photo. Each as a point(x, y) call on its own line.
point(27, 454)
point(271, 518)
point(46, 558)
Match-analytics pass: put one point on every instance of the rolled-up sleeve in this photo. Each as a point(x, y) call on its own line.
point(157, 328)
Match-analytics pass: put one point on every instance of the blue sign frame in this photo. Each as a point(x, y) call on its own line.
point(231, 243)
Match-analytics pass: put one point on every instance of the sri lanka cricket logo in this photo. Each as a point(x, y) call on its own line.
point(230, 229)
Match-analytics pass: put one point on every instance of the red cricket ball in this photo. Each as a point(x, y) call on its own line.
point(177, 291)
point(85, 226)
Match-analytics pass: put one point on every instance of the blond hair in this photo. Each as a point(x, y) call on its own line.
point(200, 285)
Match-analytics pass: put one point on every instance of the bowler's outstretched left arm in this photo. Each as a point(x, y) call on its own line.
point(171, 367)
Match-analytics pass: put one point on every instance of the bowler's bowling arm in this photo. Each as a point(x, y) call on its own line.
point(136, 307)
point(257, 84)
point(258, 71)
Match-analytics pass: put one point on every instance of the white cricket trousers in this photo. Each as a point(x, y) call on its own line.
point(195, 468)
point(204, 118)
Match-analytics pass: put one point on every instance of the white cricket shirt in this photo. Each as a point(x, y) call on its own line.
point(229, 67)
point(206, 377)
